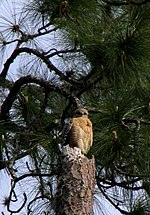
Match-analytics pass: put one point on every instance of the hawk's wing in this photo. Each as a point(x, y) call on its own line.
point(65, 131)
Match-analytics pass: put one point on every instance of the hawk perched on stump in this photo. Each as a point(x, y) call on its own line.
point(77, 132)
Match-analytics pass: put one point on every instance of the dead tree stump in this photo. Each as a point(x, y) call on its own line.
point(75, 185)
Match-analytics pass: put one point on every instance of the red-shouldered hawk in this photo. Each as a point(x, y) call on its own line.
point(78, 131)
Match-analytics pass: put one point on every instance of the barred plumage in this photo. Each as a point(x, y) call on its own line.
point(77, 131)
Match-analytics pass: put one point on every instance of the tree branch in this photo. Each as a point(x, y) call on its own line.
point(40, 55)
point(7, 104)
point(116, 206)
point(25, 37)
point(9, 200)
point(84, 88)
point(34, 175)
point(5, 163)
point(25, 197)
point(123, 184)
point(128, 2)
point(34, 200)
point(56, 52)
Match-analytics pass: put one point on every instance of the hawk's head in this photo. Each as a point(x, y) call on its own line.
point(80, 112)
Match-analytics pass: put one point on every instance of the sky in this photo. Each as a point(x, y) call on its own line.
point(24, 186)
point(5, 182)
point(5, 189)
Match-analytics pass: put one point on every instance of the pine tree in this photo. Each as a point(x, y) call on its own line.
point(97, 52)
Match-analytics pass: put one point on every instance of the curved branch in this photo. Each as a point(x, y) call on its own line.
point(40, 33)
point(116, 206)
point(56, 52)
point(123, 184)
point(8, 62)
point(84, 88)
point(34, 175)
point(6, 163)
point(40, 55)
point(7, 104)
point(9, 200)
point(32, 201)
point(25, 197)
point(76, 102)
point(25, 37)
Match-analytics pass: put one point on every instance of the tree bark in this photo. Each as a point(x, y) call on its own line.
point(76, 182)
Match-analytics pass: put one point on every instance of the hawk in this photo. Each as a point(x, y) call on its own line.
point(77, 132)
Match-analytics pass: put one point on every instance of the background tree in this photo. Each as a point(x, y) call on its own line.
point(97, 51)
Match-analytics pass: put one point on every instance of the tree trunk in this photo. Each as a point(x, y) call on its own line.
point(76, 182)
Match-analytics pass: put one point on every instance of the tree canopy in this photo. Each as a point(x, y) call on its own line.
point(56, 54)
